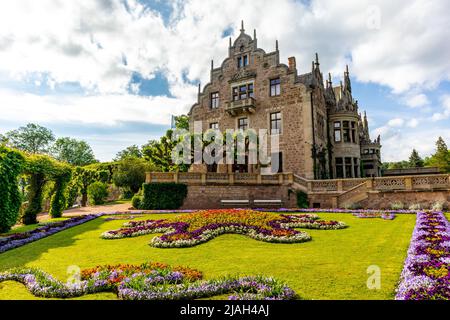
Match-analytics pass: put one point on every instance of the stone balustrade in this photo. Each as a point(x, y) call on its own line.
point(407, 183)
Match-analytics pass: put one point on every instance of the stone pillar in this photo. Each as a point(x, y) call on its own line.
point(340, 186)
point(148, 177)
point(175, 177)
point(231, 178)
point(203, 178)
point(408, 183)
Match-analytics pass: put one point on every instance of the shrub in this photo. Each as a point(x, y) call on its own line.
point(353, 206)
point(397, 205)
point(163, 196)
point(11, 163)
point(136, 201)
point(97, 193)
point(302, 200)
point(58, 202)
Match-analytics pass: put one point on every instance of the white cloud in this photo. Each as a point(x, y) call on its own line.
point(412, 123)
point(445, 113)
point(107, 109)
point(417, 100)
point(397, 122)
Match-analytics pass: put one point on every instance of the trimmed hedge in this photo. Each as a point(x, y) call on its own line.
point(163, 196)
point(11, 163)
point(302, 200)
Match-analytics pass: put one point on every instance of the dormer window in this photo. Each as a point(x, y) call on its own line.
point(242, 61)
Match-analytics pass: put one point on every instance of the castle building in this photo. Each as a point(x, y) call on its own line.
point(321, 133)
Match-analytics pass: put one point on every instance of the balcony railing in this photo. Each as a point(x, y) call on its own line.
point(243, 106)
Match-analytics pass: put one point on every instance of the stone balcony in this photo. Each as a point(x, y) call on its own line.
point(244, 106)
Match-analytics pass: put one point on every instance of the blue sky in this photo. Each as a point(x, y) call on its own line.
point(112, 72)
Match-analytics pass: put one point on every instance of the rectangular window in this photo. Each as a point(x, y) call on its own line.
point(242, 61)
point(275, 87)
point(346, 131)
point(275, 123)
point(337, 132)
point(214, 126)
point(354, 132)
point(339, 168)
point(243, 124)
point(348, 167)
point(243, 92)
point(214, 100)
point(356, 167)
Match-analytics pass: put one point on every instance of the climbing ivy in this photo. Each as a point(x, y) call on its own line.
point(11, 163)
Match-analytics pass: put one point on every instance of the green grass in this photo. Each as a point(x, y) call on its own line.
point(331, 266)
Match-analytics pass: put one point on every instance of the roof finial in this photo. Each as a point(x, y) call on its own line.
point(212, 65)
point(199, 88)
point(276, 45)
point(346, 69)
point(329, 78)
point(254, 34)
point(317, 59)
point(230, 43)
point(242, 26)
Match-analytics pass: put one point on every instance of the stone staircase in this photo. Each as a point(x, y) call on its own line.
point(353, 196)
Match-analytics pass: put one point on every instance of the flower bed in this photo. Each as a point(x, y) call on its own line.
point(150, 281)
point(426, 273)
point(19, 239)
point(202, 226)
point(318, 210)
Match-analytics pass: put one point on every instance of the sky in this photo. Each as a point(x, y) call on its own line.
point(113, 72)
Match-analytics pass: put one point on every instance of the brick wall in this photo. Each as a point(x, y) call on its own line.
point(208, 197)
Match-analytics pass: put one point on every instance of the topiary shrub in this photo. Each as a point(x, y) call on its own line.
point(302, 200)
point(11, 163)
point(97, 193)
point(58, 202)
point(163, 196)
point(136, 201)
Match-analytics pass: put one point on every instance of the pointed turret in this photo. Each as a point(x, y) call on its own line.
point(276, 45)
point(348, 84)
point(242, 26)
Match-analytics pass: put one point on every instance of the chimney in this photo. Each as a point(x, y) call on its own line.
point(292, 64)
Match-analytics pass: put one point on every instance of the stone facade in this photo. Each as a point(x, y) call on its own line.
point(252, 89)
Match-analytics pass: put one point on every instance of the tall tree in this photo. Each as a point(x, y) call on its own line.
point(72, 151)
point(130, 174)
point(131, 152)
point(415, 161)
point(441, 158)
point(32, 138)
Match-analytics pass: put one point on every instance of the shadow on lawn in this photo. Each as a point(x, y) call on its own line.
point(32, 251)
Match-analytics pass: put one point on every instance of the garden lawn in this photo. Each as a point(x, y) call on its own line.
point(331, 266)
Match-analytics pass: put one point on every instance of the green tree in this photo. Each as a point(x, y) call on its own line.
point(131, 152)
point(130, 174)
point(72, 151)
point(182, 122)
point(441, 158)
point(97, 193)
point(84, 178)
point(11, 163)
point(32, 138)
point(415, 161)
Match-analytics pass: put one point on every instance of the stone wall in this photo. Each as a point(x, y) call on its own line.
point(209, 197)
point(383, 200)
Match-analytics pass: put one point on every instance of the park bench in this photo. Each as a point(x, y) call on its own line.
point(234, 202)
point(264, 203)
